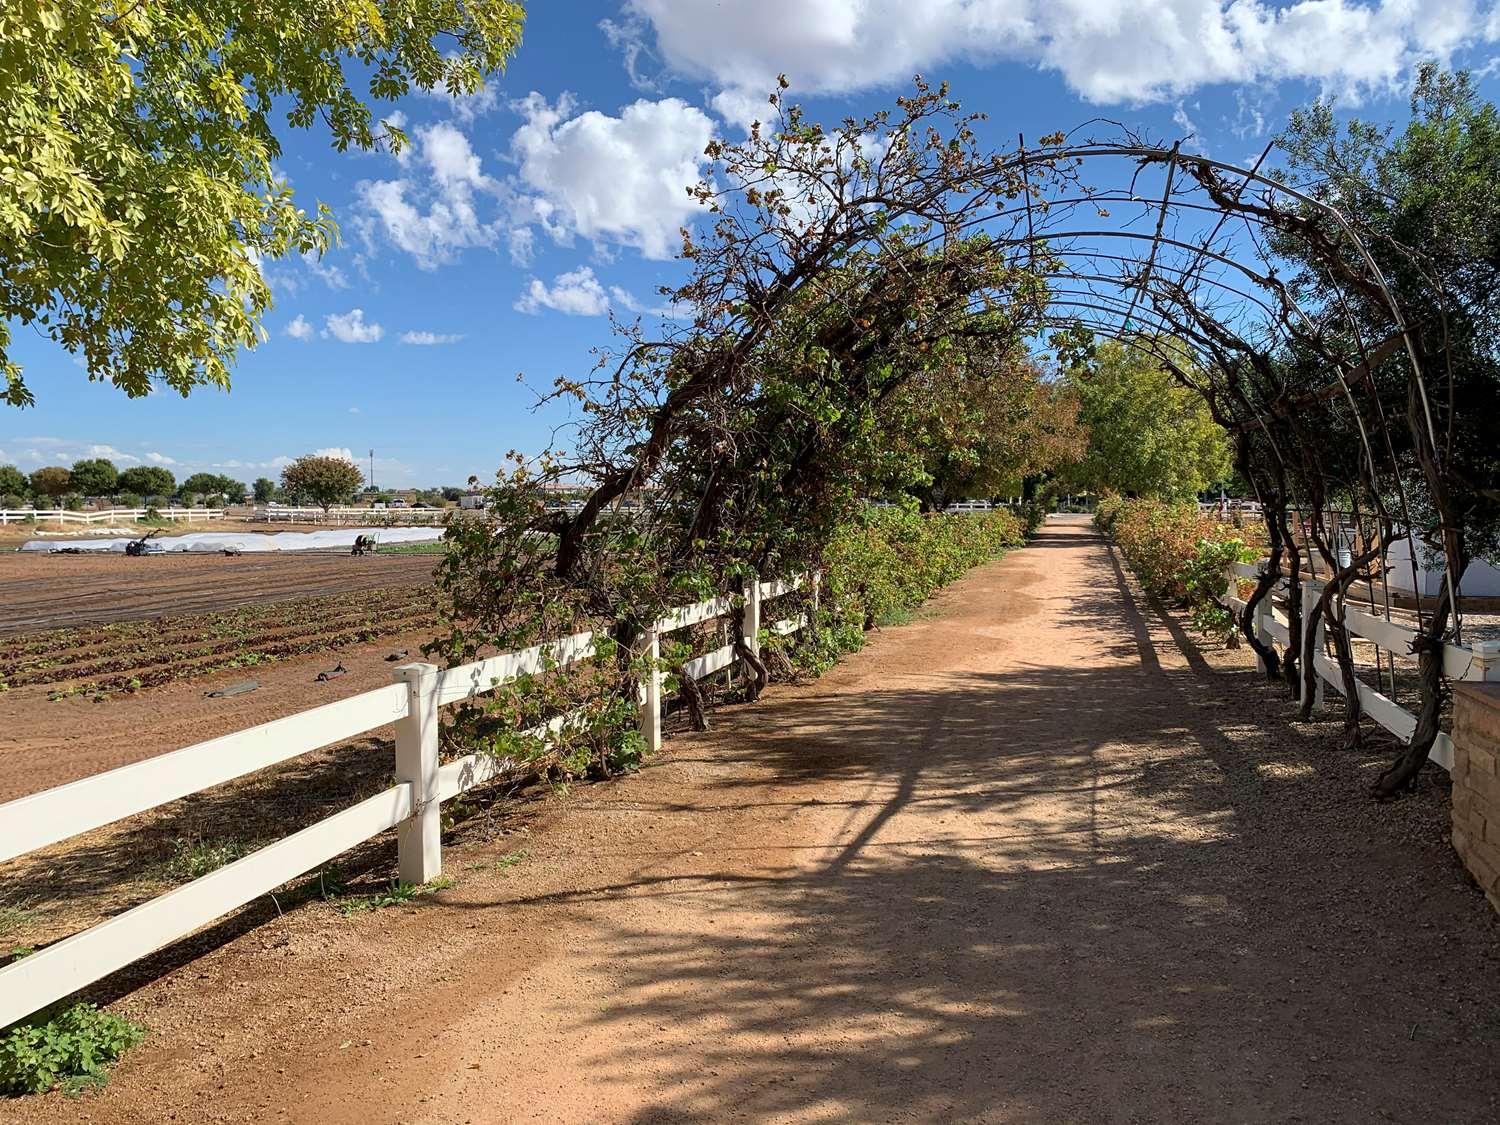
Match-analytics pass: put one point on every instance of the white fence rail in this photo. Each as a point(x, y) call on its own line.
point(412, 806)
point(108, 515)
point(1479, 661)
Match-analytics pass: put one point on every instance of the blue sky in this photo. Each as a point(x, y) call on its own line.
point(520, 217)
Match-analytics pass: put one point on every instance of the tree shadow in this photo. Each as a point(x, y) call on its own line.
point(1153, 904)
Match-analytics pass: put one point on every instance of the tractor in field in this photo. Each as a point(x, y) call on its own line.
point(137, 547)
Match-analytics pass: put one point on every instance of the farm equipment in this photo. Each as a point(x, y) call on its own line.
point(137, 547)
point(363, 545)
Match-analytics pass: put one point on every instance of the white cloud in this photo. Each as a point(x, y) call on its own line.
point(355, 410)
point(466, 107)
point(327, 272)
point(350, 328)
point(628, 36)
point(1110, 51)
point(628, 302)
point(613, 179)
point(435, 217)
point(619, 180)
point(64, 451)
point(428, 339)
point(342, 453)
point(300, 329)
point(577, 293)
point(160, 459)
point(522, 244)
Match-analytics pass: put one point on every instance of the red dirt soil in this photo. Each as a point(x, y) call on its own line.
point(44, 743)
point(58, 591)
point(1034, 857)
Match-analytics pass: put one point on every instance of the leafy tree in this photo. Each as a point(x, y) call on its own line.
point(213, 485)
point(985, 424)
point(1147, 433)
point(265, 489)
point(95, 477)
point(142, 193)
point(836, 290)
point(53, 482)
point(13, 482)
point(452, 494)
point(1425, 200)
point(149, 481)
point(325, 481)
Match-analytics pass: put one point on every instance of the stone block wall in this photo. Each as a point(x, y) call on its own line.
point(1476, 783)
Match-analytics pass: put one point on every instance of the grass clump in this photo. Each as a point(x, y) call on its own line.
point(14, 916)
point(191, 859)
point(397, 894)
point(71, 1050)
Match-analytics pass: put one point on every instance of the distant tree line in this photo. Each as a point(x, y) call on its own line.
point(324, 481)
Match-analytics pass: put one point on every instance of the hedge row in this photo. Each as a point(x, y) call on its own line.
point(1179, 554)
point(887, 561)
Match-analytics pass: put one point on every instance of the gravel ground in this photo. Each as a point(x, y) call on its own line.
point(1036, 856)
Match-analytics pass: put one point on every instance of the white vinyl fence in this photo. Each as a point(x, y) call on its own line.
point(108, 515)
point(412, 806)
point(1479, 661)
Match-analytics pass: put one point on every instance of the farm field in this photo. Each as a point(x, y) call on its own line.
point(45, 592)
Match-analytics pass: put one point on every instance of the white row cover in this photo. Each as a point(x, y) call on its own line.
point(250, 542)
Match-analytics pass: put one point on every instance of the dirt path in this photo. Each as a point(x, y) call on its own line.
point(1030, 858)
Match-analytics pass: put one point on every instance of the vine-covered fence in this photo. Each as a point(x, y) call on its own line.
point(1478, 661)
point(413, 806)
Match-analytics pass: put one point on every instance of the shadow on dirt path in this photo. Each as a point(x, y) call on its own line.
point(1034, 857)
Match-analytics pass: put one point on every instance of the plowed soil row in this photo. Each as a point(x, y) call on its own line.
point(150, 654)
point(39, 592)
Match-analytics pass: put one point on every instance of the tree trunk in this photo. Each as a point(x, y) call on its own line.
point(759, 676)
point(1344, 652)
point(1428, 647)
point(1291, 662)
point(692, 695)
point(1263, 587)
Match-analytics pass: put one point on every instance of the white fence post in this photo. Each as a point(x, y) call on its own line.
point(419, 846)
point(650, 693)
point(817, 590)
point(752, 616)
point(1312, 619)
point(1486, 665)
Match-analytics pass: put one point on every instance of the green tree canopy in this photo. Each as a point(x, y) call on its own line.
point(137, 186)
point(13, 482)
point(95, 476)
point(213, 485)
point(148, 481)
point(265, 488)
point(325, 481)
point(1148, 434)
point(53, 482)
point(1427, 199)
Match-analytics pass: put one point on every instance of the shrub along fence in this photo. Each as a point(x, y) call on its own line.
point(1185, 555)
point(870, 573)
